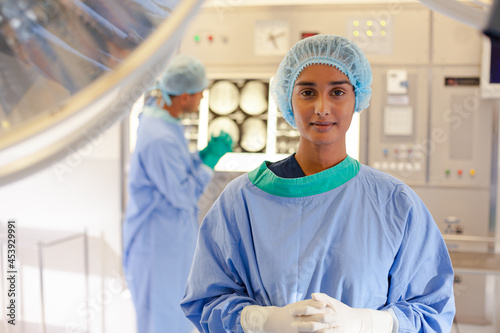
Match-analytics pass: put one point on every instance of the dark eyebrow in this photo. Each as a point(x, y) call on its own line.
point(333, 83)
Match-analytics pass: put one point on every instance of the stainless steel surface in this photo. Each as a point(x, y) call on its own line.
point(466, 238)
point(476, 262)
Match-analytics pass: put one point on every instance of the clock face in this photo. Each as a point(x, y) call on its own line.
point(271, 37)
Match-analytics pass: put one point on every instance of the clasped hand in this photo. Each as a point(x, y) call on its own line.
point(335, 317)
point(321, 314)
point(295, 316)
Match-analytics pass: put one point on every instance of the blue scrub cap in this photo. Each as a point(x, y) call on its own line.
point(184, 74)
point(333, 50)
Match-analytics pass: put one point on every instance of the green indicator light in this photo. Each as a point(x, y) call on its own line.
point(197, 38)
point(447, 171)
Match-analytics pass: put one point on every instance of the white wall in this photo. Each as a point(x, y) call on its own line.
point(80, 192)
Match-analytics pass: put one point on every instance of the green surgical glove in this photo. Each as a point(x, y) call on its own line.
point(216, 148)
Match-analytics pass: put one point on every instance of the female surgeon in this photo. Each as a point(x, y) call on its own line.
point(318, 242)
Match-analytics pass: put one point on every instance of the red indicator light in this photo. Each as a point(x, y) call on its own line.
point(308, 34)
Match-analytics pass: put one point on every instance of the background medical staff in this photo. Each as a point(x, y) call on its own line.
point(166, 180)
point(320, 225)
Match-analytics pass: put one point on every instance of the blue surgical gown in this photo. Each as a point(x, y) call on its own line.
point(161, 224)
point(352, 232)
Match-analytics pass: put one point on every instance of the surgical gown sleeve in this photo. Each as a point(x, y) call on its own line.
point(178, 175)
point(421, 293)
point(216, 293)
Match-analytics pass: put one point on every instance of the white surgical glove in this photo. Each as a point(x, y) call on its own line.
point(343, 319)
point(273, 319)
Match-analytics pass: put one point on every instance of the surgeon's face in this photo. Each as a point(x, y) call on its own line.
point(193, 102)
point(323, 105)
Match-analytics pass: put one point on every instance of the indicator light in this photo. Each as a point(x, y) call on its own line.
point(196, 38)
point(369, 33)
point(472, 172)
point(308, 34)
point(459, 172)
point(447, 171)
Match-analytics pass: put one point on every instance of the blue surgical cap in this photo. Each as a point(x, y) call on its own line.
point(184, 74)
point(332, 50)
